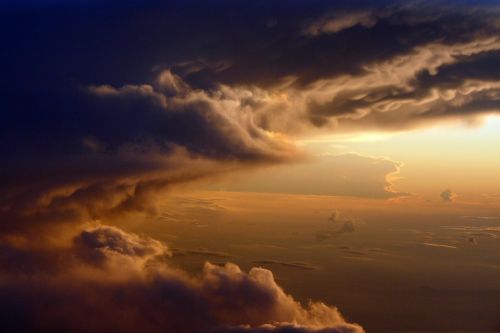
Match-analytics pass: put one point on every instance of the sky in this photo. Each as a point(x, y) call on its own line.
point(249, 166)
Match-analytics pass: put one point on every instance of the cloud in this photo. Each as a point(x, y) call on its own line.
point(448, 195)
point(340, 21)
point(471, 240)
point(426, 80)
point(426, 83)
point(98, 244)
point(290, 264)
point(436, 245)
point(200, 252)
point(343, 175)
point(405, 90)
point(481, 218)
point(335, 217)
point(115, 148)
point(347, 224)
point(287, 328)
point(123, 282)
point(341, 225)
point(392, 54)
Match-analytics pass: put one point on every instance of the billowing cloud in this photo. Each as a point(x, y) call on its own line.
point(124, 283)
point(98, 244)
point(116, 147)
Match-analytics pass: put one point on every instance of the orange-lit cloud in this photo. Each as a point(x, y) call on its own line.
point(344, 174)
point(123, 282)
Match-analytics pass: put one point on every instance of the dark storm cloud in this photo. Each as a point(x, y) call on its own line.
point(319, 65)
point(106, 150)
point(223, 41)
